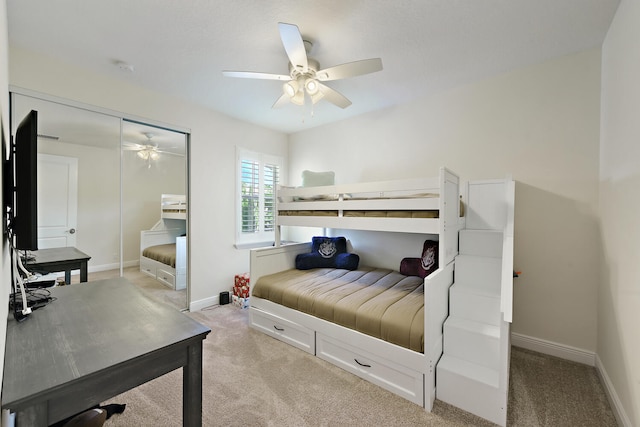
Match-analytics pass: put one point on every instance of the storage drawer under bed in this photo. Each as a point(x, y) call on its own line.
point(284, 330)
point(382, 372)
point(148, 267)
point(166, 278)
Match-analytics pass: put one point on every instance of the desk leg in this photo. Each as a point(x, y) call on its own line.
point(83, 272)
point(192, 387)
point(67, 277)
point(35, 416)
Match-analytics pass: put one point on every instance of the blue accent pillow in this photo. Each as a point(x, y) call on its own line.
point(347, 261)
point(328, 247)
point(327, 252)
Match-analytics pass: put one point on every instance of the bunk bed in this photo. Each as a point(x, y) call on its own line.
point(163, 248)
point(173, 206)
point(427, 206)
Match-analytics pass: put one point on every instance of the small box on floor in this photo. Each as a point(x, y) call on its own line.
point(241, 285)
point(240, 302)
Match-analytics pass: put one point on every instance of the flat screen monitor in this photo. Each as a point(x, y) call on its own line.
point(25, 226)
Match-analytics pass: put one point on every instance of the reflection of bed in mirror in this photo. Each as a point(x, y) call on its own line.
point(163, 248)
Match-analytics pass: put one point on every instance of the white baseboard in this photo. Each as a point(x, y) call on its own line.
point(113, 266)
point(614, 400)
point(204, 303)
point(554, 349)
point(102, 267)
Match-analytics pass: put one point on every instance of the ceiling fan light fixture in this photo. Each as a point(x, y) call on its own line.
point(154, 155)
point(311, 85)
point(298, 98)
point(143, 154)
point(290, 88)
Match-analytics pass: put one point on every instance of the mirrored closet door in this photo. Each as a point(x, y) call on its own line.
point(154, 207)
point(101, 178)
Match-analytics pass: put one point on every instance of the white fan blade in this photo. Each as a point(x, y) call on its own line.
point(283, 100)
point(132, 146)
point(170, 153)
point(255, 75)
point(293, 45)
point(350, 69)
point(334, 96)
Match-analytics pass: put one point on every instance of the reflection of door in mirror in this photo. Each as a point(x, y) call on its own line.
point(57, 201)
point(154, 227)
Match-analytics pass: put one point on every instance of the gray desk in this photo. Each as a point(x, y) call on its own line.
point(64, 259)
point(94, 342)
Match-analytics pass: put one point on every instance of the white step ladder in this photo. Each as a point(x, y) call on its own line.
point(473, 372)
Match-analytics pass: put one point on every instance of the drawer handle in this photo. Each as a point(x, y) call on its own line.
point(362, 364)
point(278, 329)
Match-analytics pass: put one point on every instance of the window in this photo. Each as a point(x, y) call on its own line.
point(258, 177)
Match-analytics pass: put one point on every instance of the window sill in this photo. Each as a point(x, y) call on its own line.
point(254, 245)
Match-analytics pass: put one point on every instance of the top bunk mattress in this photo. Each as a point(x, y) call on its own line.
point(378, 302)
point(165, 254)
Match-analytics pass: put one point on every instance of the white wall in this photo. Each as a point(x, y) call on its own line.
point(539, 123)
point(214, 260)
point(619, 293)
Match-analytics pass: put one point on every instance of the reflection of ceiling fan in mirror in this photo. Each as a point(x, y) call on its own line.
point(148, 151)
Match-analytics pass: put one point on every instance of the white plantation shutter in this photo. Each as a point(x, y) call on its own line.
point(250, 193)
point(258, 177)
point(271, 173)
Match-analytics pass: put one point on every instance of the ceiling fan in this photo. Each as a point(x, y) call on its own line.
point(149, 150)
point(305, 79)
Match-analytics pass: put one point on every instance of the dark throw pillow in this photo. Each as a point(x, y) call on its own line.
point(347, 261)
point(327, 252)
point(328, 247)
point(313, 260)
point(423, 266)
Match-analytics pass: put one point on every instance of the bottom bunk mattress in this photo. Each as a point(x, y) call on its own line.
point(378, 302)
point(165, 254)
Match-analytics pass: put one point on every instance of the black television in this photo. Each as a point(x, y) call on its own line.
point(7, 185)
point(25, 215)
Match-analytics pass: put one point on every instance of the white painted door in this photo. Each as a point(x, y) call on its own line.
point(57, 201)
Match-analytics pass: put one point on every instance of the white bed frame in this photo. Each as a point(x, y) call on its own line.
point(169, 229)
point(173, 206)
point(402, 371)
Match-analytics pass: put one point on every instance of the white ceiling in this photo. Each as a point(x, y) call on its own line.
point(426, 46)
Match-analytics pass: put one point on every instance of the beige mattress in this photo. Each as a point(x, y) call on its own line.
point(372, 213)
point(378, 302)
point(165, 254)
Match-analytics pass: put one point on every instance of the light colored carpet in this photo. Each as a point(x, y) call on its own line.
point(250, 379)
point(149, 285)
